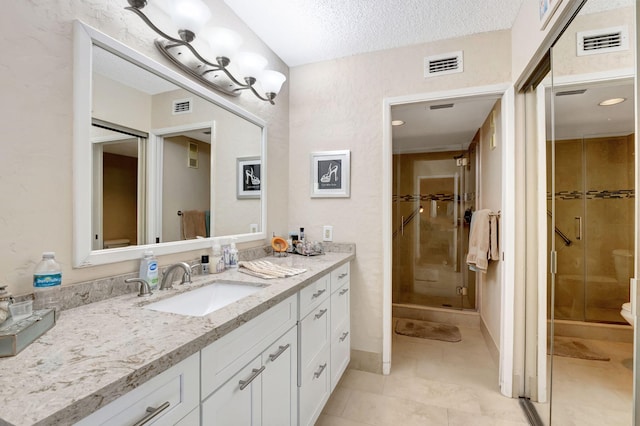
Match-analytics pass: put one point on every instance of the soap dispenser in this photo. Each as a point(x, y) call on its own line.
point(233, 256)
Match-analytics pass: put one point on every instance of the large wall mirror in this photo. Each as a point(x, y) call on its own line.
point(159, 161)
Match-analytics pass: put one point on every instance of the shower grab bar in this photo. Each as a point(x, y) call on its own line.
point(567, 241)
point(405, 222)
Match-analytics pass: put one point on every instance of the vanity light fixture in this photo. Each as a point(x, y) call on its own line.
point(190, 16)
point(612, 101)
point(397, 123)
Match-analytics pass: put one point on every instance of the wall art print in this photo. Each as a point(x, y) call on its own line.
point(248, 179)
point(330, 174)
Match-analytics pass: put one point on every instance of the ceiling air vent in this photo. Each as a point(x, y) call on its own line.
point(441, 106)
point(571, 92)
point(605, 40)
point(181, 106)
point(448, 63)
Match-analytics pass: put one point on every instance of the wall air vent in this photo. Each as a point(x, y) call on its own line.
point(571, 92)
point(606, 40)
point(448, 63)
point(441, 106)
point(182, 106)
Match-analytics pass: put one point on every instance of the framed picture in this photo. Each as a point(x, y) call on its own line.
point(330, 174)
point(546, 8)
point(248, 180)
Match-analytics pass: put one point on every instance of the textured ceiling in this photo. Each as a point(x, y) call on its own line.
point(306, 31)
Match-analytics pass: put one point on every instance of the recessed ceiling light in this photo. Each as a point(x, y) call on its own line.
point(397, 123)
point(613, 101)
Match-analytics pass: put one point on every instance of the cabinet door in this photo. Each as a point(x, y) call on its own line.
point(237, 402)
point(279, 382)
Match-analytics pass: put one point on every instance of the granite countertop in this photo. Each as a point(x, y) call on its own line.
point(100, 351)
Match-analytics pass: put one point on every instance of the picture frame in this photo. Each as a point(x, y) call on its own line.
point(330, 174)
point(546, 9)
point(248, 180)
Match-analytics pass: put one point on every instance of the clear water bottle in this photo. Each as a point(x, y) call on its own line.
point(47, 280)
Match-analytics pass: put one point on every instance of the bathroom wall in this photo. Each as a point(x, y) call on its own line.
point(338, 105)
point(183, 187)
point(120, 197)
point(490, 197)
point(36, 161)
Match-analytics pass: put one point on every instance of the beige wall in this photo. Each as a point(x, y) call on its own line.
point(490, 197)
point(36, 161)
point(183, 187)
point(120, 197)
point(120, 104)
point(338, 105)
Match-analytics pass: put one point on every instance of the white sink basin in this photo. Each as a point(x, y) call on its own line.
point(204, 300)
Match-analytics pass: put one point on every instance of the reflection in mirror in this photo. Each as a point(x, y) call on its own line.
point(156, 161)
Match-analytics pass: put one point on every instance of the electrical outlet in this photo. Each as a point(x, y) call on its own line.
point(327, 233)
point(253, 228)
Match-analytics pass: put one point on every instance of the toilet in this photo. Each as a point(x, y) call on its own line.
point(623, 263)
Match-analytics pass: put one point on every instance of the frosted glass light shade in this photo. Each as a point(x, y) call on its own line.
point(250, 64)
point(223, 41)
point(190, 15)
point(271, 81)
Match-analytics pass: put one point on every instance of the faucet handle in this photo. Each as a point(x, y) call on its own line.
point(145, 290)
point(186, 278)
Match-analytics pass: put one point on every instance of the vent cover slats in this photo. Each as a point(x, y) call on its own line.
point(181, 106)
point(447, 63)
point(602, 41)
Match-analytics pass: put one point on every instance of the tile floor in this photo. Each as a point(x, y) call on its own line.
point(431, 383)
point(592, 393)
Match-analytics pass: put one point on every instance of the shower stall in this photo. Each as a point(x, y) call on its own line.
point(594, 210)
point(434, 196)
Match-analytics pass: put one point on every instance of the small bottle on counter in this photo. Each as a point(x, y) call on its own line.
point(233, 256)
point(149, 269)
point(301, 235)
point(204, 261)
point(47, 281)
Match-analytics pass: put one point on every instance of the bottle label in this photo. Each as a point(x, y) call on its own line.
point(47, 280)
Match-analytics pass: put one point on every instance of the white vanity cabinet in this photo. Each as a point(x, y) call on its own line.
point(340, 323)
point(170, 398)
point(323, 343)
point(249, 376)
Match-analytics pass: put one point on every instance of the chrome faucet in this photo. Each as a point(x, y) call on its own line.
point(186, 277)
point(145, 290)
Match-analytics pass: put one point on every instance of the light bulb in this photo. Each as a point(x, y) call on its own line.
point(271, 81)
point(250, 65)
point(190, 15)
point(223, 41)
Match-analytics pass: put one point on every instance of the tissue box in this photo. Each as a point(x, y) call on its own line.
point(17, 335)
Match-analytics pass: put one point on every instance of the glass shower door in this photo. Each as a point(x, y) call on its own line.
point(430, 235)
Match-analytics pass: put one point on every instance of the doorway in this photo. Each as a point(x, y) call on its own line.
point(497, 164)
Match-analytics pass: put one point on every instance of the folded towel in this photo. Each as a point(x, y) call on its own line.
point(483, 240)
point(193, 224)
point(267, 270)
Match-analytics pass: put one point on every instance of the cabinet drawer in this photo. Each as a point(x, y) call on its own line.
point(175, 389)
point(340, 276)
point(340, 306)
point(314, 391)
point(314, 333)
point(340, 352)
point(313, 294)
point(224, 357)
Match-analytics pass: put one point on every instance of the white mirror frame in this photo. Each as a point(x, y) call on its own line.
point(85, 37)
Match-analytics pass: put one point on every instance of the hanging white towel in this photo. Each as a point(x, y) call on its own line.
point(483, 240)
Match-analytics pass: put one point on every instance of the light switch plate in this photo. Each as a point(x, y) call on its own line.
point(327, 233)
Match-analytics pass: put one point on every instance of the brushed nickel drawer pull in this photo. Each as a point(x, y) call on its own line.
point(321, 313)
point(318, 293)
point(153, 413)
point(281, 350)
point(343, 291)
point(255, 373)
point(320, 370)
point(344, 336)
point(341, 276)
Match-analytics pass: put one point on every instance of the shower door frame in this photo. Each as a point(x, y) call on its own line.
point(506, 93)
